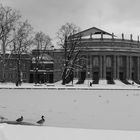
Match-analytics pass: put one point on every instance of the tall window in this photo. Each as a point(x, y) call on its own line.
point(10, 76)
point(121, 61)
point(96, 61)
point(108, 61)
point(24, 76)
point(83, 60)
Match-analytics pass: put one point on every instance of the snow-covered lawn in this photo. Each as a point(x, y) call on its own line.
point(79, 112)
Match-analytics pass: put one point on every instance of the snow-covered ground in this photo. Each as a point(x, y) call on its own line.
point(86, 107)
point(11, 132)
point(81, 111)
point(102, 85)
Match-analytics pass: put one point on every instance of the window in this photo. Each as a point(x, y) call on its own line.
point(121, 61)
point(10, 76)
point(96, 61)
point(108, 61)
point(24, 76)
point(10, 64)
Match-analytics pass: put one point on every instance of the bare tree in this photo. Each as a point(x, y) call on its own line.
point(8, 20)
point(21, 44)
point(65, 31)
point(71, 47)
point(42, 43)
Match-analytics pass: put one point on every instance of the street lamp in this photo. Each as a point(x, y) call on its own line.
point(36, 75)
point(88, 77)
point(44, 78)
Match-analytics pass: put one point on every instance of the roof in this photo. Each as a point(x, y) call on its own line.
point(44, 57)
point(92, 31)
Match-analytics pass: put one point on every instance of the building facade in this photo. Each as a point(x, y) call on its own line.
point(9, 72)
point(108, 57)
point(105, 57)
point(41, 70)
point(30, 69)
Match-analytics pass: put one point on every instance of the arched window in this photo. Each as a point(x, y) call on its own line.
point(83, 60)
point(96, 61)
point(121, 61)
point(108, 61)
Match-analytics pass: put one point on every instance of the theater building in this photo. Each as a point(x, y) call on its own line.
point(107, 57)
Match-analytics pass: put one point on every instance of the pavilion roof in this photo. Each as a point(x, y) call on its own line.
point(43, 57)
point(92, 31)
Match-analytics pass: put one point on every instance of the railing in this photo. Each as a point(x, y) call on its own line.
point(111, 44)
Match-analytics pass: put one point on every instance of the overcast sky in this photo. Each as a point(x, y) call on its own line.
point(110, 15)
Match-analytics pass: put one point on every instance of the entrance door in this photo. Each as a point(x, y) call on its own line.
point(31, 78)
point(108, 76)
point(133, 78)
point(96, 76)
point(83, 75)
point(50, 78)
point(121, 76)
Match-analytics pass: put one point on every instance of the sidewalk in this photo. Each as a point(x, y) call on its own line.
point(85, 86)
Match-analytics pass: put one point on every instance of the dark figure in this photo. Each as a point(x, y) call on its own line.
point(16, 83)
point(20, 119)
point(90, 84)
point(41, 121)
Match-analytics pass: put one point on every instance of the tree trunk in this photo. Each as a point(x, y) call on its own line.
point(3, 60)
point(18, 82)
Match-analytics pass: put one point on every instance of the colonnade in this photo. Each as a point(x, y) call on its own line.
point(127, 68)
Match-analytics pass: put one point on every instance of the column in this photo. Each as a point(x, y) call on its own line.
point(118, 68)
point(112, 35)
point(131, 37)
point(91, 36)
point(101, 69)
point(130, 68)
point(101, 35)
point(91, 67)
point(122, 36)
point(127, 67)
point(114, 67)
point(88, 66)
point(104, 67)
point(138, 68)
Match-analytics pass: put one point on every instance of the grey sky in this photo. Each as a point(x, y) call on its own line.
point(111, 15)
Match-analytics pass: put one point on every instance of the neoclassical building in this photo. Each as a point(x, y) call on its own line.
point(107, 57)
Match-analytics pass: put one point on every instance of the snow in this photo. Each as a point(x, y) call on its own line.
point(11, 132)
point(71, 112)
point(91, 108)
point(102, 82)
point(102, 85)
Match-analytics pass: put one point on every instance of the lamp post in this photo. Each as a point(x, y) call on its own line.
point(44, 77)
point(36, 75)
point(88, 77)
